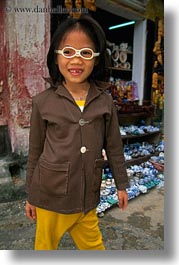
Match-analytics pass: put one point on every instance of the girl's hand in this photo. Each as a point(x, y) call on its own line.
point(30, 211)
point(122, 199)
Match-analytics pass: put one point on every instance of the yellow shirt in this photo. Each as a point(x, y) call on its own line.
point(81, 104)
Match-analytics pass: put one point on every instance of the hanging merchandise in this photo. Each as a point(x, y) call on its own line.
point(158, 67)
point(78, 7)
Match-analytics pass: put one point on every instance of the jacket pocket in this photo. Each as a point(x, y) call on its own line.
point(99, 165)
point(54, 178)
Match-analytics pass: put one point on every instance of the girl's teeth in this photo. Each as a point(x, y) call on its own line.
point(75, 71)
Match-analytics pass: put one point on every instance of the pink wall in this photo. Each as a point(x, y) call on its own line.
point(24, 43)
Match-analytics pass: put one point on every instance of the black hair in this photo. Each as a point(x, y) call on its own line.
point(91, 27)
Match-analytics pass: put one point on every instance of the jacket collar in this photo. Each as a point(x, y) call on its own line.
point(95, 90)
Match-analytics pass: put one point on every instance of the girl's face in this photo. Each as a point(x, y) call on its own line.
point(76, 70)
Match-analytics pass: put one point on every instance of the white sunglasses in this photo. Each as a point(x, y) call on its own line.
point(85, 53)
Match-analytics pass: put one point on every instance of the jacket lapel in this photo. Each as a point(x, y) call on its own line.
point(63, 92)
point(94, 92)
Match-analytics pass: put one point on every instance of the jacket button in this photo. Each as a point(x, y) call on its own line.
point(83, 149)
point(82, 122)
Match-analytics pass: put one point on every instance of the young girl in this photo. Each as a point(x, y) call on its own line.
point(71, 123)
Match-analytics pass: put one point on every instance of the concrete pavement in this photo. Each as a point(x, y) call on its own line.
point(140, 227)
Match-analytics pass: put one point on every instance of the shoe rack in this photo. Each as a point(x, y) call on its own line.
point(152, 137)
point(142, 173)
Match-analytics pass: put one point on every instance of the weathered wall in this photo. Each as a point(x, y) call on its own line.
point(24, 42)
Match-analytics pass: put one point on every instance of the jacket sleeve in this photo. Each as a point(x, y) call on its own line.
point(114, 150)
point(36, 142)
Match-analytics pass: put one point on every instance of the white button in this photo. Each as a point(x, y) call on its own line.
point(83, 149)
point(82, 122)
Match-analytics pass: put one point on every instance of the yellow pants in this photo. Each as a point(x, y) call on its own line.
point(83, 228)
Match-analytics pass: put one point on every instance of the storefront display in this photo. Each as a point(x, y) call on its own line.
point(142, 178)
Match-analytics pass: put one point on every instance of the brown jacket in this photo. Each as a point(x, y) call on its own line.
point(64, 168)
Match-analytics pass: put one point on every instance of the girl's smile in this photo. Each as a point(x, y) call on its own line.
point(75, 71)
